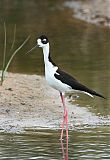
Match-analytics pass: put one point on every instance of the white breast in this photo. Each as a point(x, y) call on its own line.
point(50, 70)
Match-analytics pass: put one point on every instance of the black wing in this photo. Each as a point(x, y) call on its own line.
point(73, 83)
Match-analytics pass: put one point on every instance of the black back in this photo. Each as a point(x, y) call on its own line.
point(73, 83)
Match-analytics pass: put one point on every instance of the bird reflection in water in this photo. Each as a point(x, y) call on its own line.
point(64, 148)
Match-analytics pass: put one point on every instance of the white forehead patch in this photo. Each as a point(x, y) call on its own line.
point(39, 41)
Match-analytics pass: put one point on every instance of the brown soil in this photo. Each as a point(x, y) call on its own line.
point(27, 101)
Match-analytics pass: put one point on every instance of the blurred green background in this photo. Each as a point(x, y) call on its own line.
point(80, 48)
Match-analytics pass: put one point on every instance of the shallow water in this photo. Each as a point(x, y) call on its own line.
point(43, 144)
point(79, 48)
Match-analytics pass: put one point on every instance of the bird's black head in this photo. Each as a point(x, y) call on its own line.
point(42, 41)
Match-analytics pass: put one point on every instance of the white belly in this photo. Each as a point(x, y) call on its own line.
point(57, 84)
point(50, 70)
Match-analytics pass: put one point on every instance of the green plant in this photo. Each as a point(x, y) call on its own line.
point(6, 65)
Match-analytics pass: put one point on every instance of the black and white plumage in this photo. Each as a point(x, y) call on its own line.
point(74, 84)
point(60, 80)
point(56, 77)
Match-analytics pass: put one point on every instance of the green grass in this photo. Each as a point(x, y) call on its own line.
point(5, 65)
point(4, 54)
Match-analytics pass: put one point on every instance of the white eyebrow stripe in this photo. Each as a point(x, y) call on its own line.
point(44, 39)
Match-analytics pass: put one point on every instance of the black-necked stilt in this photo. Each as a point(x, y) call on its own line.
point(60, 80)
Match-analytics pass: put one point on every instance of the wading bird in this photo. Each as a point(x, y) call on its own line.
point(60, 80)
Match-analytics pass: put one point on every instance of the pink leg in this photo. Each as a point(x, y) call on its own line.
point(65, 119)
point(64, 150)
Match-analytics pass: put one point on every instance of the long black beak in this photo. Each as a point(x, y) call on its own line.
point(32, 49)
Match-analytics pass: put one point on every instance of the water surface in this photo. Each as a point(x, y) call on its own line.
point(44, 144)
point(81, 49)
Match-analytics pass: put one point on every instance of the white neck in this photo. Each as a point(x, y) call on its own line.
point(46, 52)
point(48, 65)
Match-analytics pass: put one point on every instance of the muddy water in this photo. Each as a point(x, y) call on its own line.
point(79, 48)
